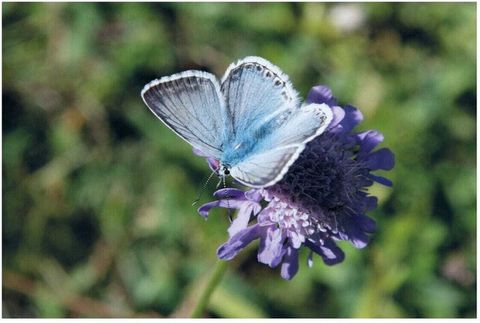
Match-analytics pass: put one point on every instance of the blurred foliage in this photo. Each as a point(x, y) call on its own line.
point(97, 193)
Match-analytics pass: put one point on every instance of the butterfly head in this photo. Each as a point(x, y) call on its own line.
point(224, 170)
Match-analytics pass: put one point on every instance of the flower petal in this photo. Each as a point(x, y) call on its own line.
point(272, 247)
point(243, 217)
point(380, 159)
point(353, 116)
point(227, 203)
point(254, 195)
point(329, 251)
point(296, 239)
point(381, 180)
point(205, 208)
point(230, 193)
point(213, 164)
point(365, 223)
point(368, 140)
point(239, 241)
point(371, 202)
point(321, 94)
point(290, 264)
point(353, 232)
point(338, 115)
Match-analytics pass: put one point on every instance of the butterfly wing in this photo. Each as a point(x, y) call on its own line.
point(303, 125)
point(263, 106)
point(190, 104)
point(255, 91)
point(266, 168)
point(261, 169)
point(260, 105)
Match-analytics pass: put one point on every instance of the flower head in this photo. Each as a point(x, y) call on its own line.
point(321, 199)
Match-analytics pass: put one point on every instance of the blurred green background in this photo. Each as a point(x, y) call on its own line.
point(97, 193)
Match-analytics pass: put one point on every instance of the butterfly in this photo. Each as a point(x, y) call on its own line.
point(251, 122)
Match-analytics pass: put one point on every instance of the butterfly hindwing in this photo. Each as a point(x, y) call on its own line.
point(301, 126)
point(286, 143)
point(262, 169)
point(191, 104)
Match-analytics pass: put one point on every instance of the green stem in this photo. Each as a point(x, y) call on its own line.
point(213, 281)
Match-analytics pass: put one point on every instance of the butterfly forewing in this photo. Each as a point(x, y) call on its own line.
point(190, 103)
point(255, 91)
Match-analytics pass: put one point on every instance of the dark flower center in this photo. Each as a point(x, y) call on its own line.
point(325, 181)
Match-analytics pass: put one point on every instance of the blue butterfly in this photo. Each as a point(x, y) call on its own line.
point(251, 122)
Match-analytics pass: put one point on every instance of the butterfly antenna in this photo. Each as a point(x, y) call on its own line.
point(200, 191)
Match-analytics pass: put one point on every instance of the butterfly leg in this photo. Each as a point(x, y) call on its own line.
point(229, 210)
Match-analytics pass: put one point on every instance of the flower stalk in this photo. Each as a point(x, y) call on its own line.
point(212, 283)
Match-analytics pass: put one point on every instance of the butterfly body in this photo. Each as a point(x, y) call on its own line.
point(244, 144)
point(251, 123)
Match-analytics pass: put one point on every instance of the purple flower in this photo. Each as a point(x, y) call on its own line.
point(321, 199)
